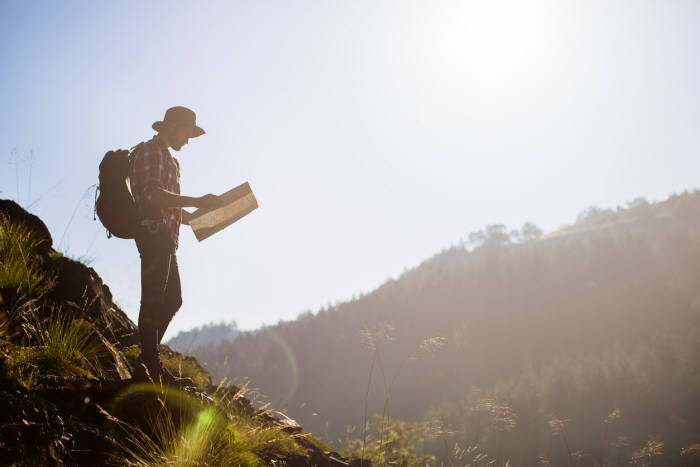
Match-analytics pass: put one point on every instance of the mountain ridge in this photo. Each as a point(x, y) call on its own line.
point(501, 304)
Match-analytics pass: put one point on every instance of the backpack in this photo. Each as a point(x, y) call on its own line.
point(114, 204)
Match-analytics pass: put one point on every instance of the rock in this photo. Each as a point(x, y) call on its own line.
point(82, 286)
point(288, 425)
point(34, 431)
point(115, 361)
point(15, 212)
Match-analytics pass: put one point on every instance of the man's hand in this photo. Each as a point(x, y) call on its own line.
point(208, 201)
point(186, 216)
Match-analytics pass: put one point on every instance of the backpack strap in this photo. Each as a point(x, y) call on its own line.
point(132, 157)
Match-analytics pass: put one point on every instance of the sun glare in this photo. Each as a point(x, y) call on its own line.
point(498, 44)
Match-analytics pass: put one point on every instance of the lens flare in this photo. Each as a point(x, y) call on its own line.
point(141, 390)
point(184, 432)
point(197, 436)
point(291, 361)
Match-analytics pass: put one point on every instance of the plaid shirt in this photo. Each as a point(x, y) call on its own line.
point(152, 168)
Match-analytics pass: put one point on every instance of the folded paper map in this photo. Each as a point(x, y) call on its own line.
point(236, 203)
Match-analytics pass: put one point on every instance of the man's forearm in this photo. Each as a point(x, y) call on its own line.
point(167, 199)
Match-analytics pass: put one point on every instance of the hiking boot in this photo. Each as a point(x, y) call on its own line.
point(150, 350)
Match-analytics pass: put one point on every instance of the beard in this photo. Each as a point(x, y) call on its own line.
point(177, 145)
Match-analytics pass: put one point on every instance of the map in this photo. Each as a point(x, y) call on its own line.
point(238, 203)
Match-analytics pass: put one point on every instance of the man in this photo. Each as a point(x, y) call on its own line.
point(155, 183)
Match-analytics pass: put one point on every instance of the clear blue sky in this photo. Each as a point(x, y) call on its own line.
point(374, 133)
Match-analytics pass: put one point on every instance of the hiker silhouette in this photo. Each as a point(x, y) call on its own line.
point(154, 177)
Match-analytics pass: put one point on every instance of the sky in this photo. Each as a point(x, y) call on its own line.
point(373, 133)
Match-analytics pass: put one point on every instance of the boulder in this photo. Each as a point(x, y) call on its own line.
point(81, 285)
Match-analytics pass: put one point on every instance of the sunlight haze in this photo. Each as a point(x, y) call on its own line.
point(373, 133)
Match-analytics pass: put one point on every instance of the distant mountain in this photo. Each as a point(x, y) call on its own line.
point(208, 334)
point(502, 308)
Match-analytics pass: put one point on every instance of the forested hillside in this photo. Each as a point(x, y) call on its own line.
point(206, 334)
point(521, 344)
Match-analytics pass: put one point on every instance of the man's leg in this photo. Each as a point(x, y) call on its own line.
point(173, 298)
point(154, 280)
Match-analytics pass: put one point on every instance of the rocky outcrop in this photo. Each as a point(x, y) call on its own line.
point(80, 285)
point(79, 289)
point(36, 431)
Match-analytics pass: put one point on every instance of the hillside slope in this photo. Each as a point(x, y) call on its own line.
point(72, 391)
point(611, 281)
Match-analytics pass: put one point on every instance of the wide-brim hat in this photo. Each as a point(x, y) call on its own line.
point(179, 116)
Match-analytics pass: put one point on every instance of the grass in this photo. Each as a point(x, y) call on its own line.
point(175, 363)
point(396, 445)
point(184, 366)
point(158, 425)
point(314, 440)
point(21, 274)
point(379, 452)
point(39, 338)
point(86, 259)
point(179, 429)
point(58, 345)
